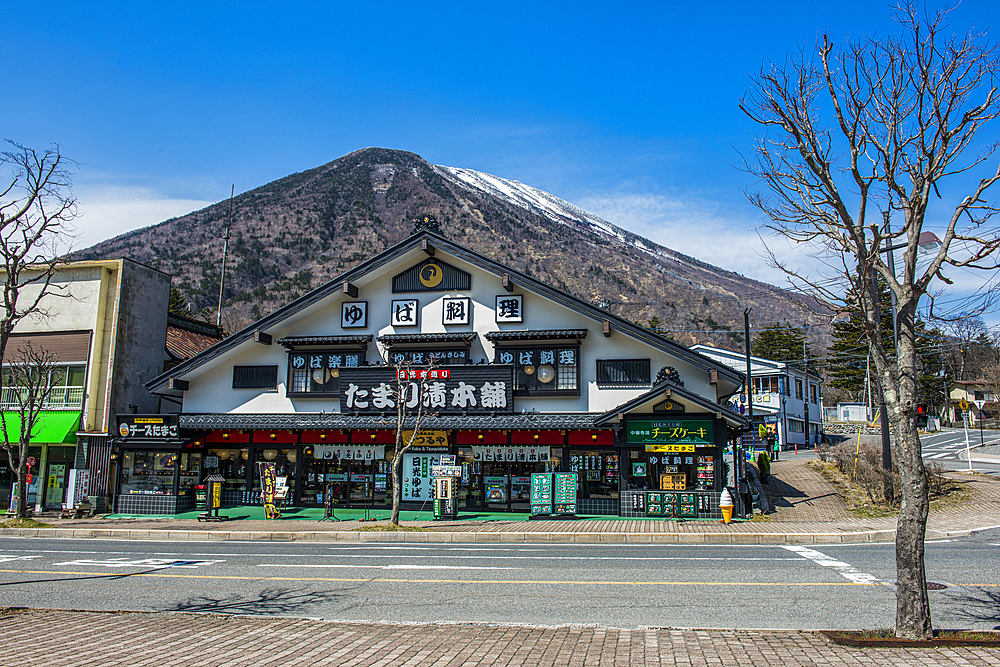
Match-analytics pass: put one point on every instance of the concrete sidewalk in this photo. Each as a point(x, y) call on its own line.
point(809, 511)
point(66, 638)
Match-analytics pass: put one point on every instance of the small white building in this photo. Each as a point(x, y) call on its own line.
point(853, 412)
point(782, 396)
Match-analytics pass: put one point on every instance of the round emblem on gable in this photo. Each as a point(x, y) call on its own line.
point(123, 430)
point(431, 275)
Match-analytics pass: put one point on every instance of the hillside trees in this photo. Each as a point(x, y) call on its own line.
point(884, 130)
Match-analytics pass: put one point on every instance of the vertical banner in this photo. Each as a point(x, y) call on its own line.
point(216, 501)
point(268, 479)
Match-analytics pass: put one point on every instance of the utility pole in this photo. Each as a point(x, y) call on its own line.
point(738, 451)
point(225, 255)
point(883, 417)
point(944, 381)
point(805, 391)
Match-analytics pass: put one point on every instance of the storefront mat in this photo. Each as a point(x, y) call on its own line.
point(256, 512)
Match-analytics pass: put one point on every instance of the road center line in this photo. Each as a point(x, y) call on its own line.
point(355, 566)
point(474, 582)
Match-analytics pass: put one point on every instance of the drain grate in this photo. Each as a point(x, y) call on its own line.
point(935, 586)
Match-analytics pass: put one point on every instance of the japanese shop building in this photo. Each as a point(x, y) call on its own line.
point(525, 379)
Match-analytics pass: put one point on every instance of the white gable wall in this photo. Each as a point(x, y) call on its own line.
point(211, 385)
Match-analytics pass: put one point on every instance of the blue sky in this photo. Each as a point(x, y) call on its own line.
point(628, 110)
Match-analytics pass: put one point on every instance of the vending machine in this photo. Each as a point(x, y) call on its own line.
point(444, 486)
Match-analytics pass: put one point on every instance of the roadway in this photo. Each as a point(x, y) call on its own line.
point(948, 446)
point(626, 586)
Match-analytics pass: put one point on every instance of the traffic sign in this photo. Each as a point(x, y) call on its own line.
point(980, 403)
point(30, 462)
point(964, 404)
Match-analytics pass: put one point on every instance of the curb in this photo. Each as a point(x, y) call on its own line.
point(470, 538)
point(979, 457)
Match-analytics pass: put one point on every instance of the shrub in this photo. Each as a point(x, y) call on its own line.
point(764, 464)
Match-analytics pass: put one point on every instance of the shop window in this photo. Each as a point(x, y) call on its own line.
point(318, 373)
point(597, 473)
point(255, 377)
point(148, 473)
point(190, 471)
point(623, 373)
point(543, 370)
point(453, 357)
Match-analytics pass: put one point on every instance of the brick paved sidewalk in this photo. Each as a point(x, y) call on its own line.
point(64, 639)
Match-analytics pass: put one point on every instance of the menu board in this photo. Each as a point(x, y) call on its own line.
point(541, 493)
point(564, 492)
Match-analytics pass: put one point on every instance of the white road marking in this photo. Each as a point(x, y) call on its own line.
point(154, 563)
point(939, 456)
point(355, 566)
point(10, 558)
point(845, 569)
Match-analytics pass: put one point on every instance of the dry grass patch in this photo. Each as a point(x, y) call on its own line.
point(387, 527)
point(859, 481)
point(24, 523)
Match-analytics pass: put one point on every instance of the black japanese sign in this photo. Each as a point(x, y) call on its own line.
point(148, 427)
point(448, 389)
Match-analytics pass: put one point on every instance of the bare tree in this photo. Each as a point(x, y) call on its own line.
point(855, 135)
point(29, 384)
point(969, 347)
point(412, 400)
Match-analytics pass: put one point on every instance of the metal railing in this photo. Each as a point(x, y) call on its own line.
point(62, 398)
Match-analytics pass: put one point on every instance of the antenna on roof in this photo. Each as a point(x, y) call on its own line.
point(225, 255)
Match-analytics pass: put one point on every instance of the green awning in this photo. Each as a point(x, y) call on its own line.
point(51, 428)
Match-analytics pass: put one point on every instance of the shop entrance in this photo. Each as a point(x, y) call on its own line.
point(285, 463)
point(507, 486)
point(358, 482)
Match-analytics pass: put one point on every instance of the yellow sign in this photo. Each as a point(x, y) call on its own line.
point(148, 420)
point(670, 449)
point(427, 438)
point(761, 430)
point(216, 495)
point(964, 404)
point(431, 275)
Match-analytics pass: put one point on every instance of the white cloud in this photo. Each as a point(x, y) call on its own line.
point(108, 211)
point(700, 229)
point(729, 239)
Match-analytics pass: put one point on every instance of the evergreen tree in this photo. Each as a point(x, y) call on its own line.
point(847, 363)
point(178, 304)
point(780, 343)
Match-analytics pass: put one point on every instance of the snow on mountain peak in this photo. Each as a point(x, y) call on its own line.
point(539, 201)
